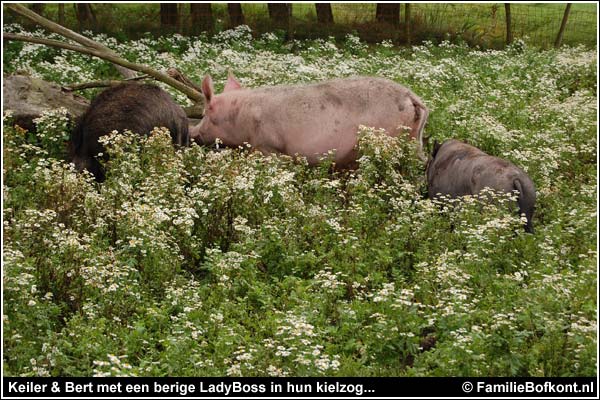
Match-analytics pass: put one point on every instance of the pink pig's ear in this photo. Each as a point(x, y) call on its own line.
point(232, 83)
point(207, 88)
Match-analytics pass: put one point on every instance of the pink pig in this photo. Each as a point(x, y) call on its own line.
point(309, 120)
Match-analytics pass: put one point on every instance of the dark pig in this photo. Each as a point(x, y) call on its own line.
point(458, 169)
point(309, 120)
point(136, 107)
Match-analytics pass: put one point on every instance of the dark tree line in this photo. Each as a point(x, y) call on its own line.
point(279, 13)
point(86, 17)
point(388, 13)
point(202, 16)
point(324, 13)
point(169, 15)
point(202, 19)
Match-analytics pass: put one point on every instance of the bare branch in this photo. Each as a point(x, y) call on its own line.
point(110, 56)
point(67, 33)
point(196, 111)
point(104, 83)
point(93, 48)
point(178, 75)
point(91, 85)
point(48, 42)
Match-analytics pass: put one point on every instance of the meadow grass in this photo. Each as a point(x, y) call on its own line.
point(192, 262)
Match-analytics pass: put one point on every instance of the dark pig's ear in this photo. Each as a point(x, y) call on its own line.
point(436, 147)
point(207, 88)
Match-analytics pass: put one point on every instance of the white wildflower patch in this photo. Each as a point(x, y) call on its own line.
point(115, 366)
point(384, 293)
point(327, 281)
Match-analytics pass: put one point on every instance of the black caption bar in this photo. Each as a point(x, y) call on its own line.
point(299, 387)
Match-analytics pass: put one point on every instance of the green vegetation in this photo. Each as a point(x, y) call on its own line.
point(479, 24)
point(194, 262)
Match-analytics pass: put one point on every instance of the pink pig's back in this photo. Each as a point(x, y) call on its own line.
point(311, 120)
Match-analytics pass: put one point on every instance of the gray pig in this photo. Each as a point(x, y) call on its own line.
point(457, 169)
point(308, 120)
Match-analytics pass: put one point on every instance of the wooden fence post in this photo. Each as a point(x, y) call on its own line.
point(563, 25)
point(509, 35)
point(407, 22)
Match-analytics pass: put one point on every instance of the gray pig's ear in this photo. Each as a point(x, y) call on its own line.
point(207, 88)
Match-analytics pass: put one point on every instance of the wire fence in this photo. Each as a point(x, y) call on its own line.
point(477, 24)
